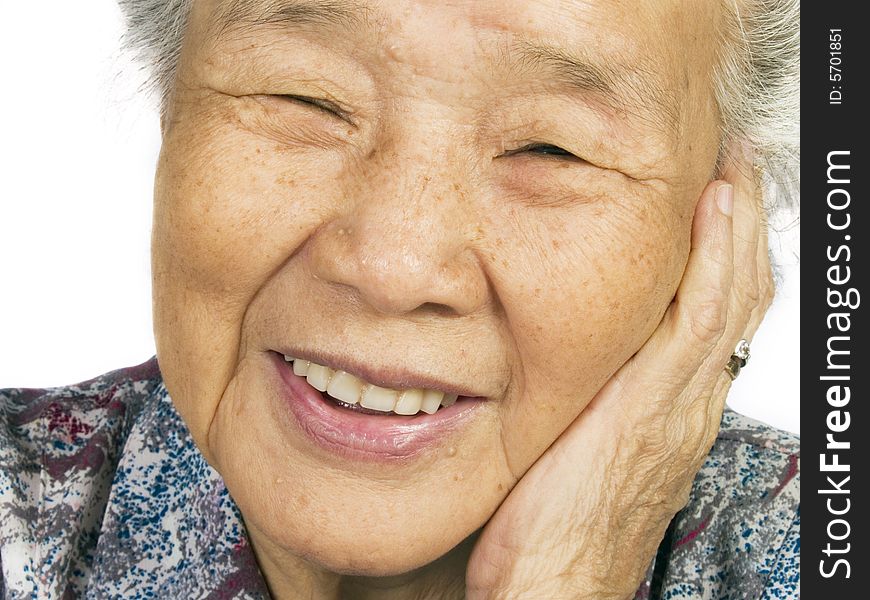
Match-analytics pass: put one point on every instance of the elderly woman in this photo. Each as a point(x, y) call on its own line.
point(448, 297)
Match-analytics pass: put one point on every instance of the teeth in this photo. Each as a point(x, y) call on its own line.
point(352, 390)
point(449, 400)
point(345, 387)
point(431, 401)
point(318, 376)
point(300, 367)
point(378, 398)
point(409, 402)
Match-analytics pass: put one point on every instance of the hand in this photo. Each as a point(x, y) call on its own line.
point(586, 519)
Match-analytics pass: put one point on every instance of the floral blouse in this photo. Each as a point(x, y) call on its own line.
point(103, 494)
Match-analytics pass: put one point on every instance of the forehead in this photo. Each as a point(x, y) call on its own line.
point(642, 56)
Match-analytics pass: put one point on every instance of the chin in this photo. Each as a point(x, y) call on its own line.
point(360, 543)
point(375, 561)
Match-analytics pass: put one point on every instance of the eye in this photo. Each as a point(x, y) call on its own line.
point(322, 105)
point(543, 150)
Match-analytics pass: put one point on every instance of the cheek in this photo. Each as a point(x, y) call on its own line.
point(223, 223)
point(582, 295)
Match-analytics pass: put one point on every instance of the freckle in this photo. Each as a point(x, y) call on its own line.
point(500, 487)
point(451, 451)
point(556, 244)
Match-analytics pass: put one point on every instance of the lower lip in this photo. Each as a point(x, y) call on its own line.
point(366, 437)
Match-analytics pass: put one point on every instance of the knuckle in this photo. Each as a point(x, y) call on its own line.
point(704, 442)
point(693, 447)
point(752, 292)
point(708, 320)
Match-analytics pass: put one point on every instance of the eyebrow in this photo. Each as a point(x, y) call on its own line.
point(629, 89)
point(341, 14)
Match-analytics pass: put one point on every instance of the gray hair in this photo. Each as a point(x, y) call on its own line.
point(757, 85)
point(756, 80)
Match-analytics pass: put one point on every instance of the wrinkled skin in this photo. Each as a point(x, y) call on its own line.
point(590, 296)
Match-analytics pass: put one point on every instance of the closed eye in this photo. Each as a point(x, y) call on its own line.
point(544, 150)
point(322, 105)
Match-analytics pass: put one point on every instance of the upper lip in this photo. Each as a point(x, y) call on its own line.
point(393, 377)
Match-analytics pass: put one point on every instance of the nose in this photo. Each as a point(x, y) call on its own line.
point(402, 239)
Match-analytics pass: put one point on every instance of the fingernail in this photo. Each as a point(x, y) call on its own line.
point(725, 198)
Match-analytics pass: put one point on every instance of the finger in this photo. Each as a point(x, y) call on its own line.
point(753, 287)
point(766, 287)
point(752, 290)
point(746, 223)
point(744, 293)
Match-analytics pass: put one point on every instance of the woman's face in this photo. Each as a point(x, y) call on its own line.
point(492, 198)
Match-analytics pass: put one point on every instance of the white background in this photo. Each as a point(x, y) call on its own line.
point(79, 146)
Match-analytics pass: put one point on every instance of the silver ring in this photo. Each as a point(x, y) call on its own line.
point(738, 360)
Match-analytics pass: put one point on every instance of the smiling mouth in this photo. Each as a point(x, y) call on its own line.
point(353, 419)
point(353, 393)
